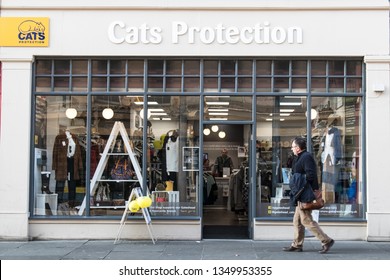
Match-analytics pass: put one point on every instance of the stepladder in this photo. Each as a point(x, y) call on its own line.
point(135, 194)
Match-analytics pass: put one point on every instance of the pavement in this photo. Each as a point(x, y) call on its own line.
point(216, 249)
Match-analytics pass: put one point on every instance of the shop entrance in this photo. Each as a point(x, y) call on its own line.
point(226, 191)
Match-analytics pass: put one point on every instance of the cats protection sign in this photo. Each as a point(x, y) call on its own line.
point(24, 32)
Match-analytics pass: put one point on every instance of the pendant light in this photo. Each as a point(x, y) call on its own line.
point(206, 131)
point(71, 113)
point(108, 113)
point(214, 128)
point(222, 134)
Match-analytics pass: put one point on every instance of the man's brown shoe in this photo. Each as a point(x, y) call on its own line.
point(326, 247)
point(292, 249)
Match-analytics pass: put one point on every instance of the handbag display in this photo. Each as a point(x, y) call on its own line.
point(316, 204)
point(122, 170)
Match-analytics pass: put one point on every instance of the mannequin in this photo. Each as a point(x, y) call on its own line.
point(330, 158)
point(170, 157)
point(67, 164)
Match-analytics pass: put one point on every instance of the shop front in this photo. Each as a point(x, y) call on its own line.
point(197, 111)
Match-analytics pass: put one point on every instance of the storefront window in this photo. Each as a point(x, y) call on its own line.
point(335, 144)
point(59, 154)
point(113, 91)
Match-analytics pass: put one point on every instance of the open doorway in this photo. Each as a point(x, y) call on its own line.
point(226, 181)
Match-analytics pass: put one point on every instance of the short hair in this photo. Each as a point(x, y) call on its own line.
point(300, 142)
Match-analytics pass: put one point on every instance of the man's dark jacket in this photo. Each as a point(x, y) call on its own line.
point(304, 178)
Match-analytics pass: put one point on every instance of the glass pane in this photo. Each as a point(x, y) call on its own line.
point(227, 84)
point(43, 67)
point(135, 84)
point(244, 85)
point(210, 67)
point(228, 108)
point(191, 84)
point(336, 67)
point(210, 84)
point(228, 67)
point(61, 67)
point(79, 84)
point(318, 67)
point(299, 85)
point(336, 85)
point(244, 67)
point(354, 68)
point(336, 136)
point(135, 67)
point(155, 84)
point(318, 85)
point(263, 67)
point(99, 84)
point(191, 67)
point(59, 150)
point(99, 67)
point(173, 84)
point(117, 84)
point(155, 67)
point(174, 159)
point(263, 85)
point(281, 67)
point(80, 67)
point(173, 67)
point(43, 84)
point(354, 85)
point(278, 122)
point(117, 67)
point(61, 84)
point(281, 85)
point(299, 67)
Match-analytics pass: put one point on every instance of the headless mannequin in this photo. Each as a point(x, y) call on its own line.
point(66, 163)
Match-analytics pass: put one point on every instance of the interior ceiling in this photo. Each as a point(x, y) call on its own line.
point(239, 106)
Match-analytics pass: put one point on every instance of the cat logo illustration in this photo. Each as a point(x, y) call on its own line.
point(30, 30)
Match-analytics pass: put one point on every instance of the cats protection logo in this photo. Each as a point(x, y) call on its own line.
point(24, 32)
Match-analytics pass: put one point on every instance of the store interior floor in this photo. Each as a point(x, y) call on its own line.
point(220, 223)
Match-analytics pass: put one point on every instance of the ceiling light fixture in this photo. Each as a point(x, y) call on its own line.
point(222, 134)
point(206, 131)
point(218, 114)
point(142, 103)
point(71, 113)
point(313, 113)
point(108, 113)
point(217, 103)
point(290, 103)
point(141, 114)
point(214, 128)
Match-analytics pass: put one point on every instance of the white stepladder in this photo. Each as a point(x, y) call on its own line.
point(135, 193)
point(118, 128)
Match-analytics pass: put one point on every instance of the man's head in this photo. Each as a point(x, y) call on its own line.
point(224, 152)
point(298, 145)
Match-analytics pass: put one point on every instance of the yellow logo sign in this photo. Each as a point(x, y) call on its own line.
point(24, 32)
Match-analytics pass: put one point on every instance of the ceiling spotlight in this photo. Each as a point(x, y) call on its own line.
point(206, 131)
point(108, 113)
point(222, 134)
point(214, 128)
point(71, 113)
